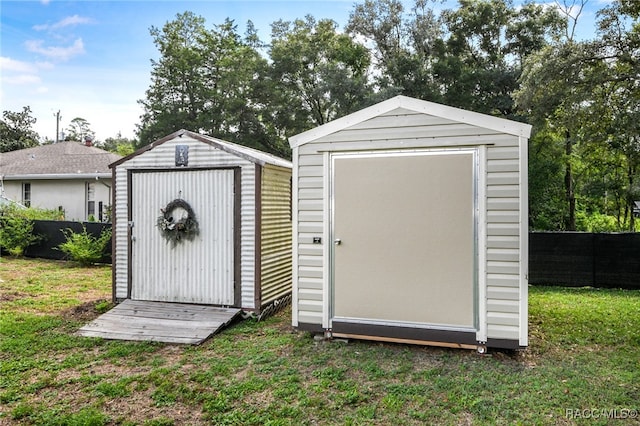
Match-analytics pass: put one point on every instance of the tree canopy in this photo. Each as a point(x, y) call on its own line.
point(16, 130)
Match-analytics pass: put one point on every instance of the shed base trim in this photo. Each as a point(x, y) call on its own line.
point(313, 328)
point(405, 333)
point(504, 344)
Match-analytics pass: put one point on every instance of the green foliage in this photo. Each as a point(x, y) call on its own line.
point(16, 130)
point(319, 74)
point(16, 229)
point(79, 129)
point(208, 79)
point(83, 247)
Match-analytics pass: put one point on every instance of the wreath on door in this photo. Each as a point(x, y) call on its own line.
point(178, 222)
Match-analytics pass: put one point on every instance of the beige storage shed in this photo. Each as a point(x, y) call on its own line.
point(410, 225)
point(199, 220)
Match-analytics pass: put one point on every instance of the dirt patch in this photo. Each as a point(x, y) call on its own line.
point(88, 311)
point(11, 296)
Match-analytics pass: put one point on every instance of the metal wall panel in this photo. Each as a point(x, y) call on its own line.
point(200, 155)
point(198, 271)
point(276, 234)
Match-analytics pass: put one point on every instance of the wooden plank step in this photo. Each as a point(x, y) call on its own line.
point(159, 322)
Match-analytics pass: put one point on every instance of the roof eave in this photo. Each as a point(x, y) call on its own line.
point(58, 176)
point(209, 140)
point(468, 117)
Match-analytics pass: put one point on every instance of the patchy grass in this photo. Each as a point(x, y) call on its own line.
point(583, 359)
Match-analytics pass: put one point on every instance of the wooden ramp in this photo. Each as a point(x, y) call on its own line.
point(159, 322)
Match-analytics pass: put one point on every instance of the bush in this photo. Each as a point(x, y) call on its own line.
point(16, 229)
point(83, 247)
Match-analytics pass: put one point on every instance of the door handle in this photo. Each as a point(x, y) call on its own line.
point(337, 241)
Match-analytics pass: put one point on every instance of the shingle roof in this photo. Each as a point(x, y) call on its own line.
point(63, 158)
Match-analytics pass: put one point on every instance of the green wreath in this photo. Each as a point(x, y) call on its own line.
point(178, 222)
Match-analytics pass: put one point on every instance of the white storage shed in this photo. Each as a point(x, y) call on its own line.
point(199, 220)
point(410, 225)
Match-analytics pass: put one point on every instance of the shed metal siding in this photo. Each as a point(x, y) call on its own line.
point(201, 271)
point(276, 234)
point(200, 155)
point(406, 129)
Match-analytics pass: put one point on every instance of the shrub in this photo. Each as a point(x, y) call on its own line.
point(16, 229)
point(83, 247)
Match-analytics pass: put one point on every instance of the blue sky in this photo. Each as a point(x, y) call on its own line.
point(92, 59)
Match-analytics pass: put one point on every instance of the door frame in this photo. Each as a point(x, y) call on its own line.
point(237, 223)
point(478, 153)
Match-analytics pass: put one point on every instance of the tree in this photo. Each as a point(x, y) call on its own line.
point(207, 80)
point(176, 97)
point(552, 94)
point(119, 144)
point(587, 93)
point(16, 130)
point(317, 74)
point(470, 57)
point(613, 118)
point(79, 130)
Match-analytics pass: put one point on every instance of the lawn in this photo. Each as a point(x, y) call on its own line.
point(583, 361)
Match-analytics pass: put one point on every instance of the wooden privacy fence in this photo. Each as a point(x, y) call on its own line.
point(51, 231)
point(577, 259)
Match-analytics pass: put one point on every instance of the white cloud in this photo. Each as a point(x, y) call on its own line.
point(18, 72)
point(45, 2)
point(55, 52)
point(23, 79)
point(65, 22)
point(8, 64)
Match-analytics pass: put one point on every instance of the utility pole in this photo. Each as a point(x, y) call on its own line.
point(57, 114)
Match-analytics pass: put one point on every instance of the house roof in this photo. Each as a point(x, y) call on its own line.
point(62, 160)
point(430, 108)
point(249, 154)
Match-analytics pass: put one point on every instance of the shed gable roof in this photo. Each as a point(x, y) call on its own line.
point(62, 160)
point(249, 154)
point(424, 107)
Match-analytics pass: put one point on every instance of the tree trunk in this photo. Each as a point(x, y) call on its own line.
point(570, 224)
point(630, 200)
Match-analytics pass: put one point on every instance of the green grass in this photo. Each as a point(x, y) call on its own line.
point(583, 355)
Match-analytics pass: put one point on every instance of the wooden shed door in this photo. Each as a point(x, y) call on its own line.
point(404, 238)
point(198, 271)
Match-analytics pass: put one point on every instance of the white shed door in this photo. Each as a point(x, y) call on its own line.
point(198, 271)
point(404, 238)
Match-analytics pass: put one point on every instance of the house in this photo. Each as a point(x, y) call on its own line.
point(410, 225)
point(66, 176)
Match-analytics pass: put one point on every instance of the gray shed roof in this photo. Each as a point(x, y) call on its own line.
point(249, 154)
point(63, 160)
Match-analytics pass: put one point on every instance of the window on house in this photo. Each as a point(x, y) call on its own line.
point(91, 204)
point(26, 194)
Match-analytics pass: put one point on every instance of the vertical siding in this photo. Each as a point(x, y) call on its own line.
point(276, 235)
point(198, 271)
point(404, 129)
point(200, 155)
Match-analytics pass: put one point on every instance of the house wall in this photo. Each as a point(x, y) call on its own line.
point(503, 163)
point(275, 233)
point(68, 193)
point(200, 155)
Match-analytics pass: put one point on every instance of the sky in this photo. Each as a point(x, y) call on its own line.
point(92, 58)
